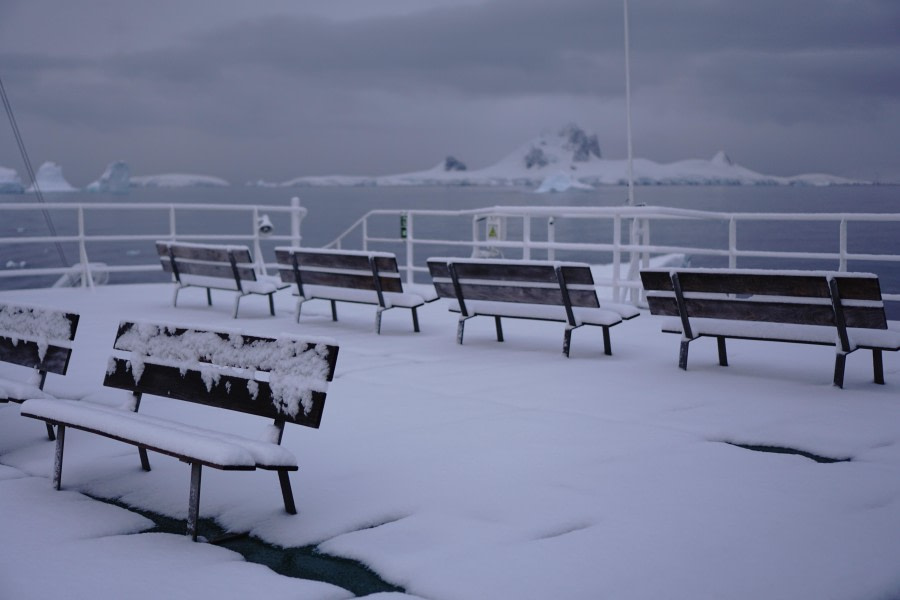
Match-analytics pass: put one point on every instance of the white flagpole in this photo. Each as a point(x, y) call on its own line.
point(628, 111)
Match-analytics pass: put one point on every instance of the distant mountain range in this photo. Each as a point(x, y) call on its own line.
point(568, 159)
point(571, 158)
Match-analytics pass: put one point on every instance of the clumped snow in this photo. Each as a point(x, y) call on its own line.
point(36, 324)
point(293, 368)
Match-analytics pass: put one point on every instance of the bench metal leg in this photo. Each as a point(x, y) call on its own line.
point(499, 329)
point(194, 501)
point(58, 456)
point(208, 296)
point(567, 340)
point(50, 434)
point(237, 303)
point(723, 354)
point(299, 304)
point(878, 366)
point(333, 310)
point(286, 493)
point(145, 460)
point(840, 362)
point(175, 296)
point(378, 312)
point(683, 355)
point(459, 329)
point(607, 344)
point(415, 317)
point(272, 304)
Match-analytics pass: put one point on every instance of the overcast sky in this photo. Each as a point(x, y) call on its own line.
point(275, 89)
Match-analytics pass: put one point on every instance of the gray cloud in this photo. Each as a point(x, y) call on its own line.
point(288, 93)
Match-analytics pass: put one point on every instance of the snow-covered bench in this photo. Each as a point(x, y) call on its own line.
point(219, 267)
point(838, 309)
point(38, 339)
point(283, 378)
point(349, 276)
point(525, 289)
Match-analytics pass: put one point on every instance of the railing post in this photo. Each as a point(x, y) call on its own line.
point(551, 238)
point(842, 263)
point(410, 240)
point(732, 243)
point(295, 221)
point(87, 279)
point(172, 222)
point(617, 257)
point(526, 237)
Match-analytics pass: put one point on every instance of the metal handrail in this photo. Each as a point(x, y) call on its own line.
point(82, 211)
point(630, 244)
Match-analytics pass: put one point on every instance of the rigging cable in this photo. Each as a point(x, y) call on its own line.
point(30, 169)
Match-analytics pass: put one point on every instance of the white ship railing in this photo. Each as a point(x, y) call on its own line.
point(132, 227)
point(629, 243)
point(615, 236)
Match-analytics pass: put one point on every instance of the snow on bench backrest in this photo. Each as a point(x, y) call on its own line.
point(284, 378)
point(37, 337)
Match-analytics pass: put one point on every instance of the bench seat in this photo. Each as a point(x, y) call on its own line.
point(839, 309)
point(361, 277)
point(541, 312)
point(210, 448)
point(525, 289)
point(284, 378)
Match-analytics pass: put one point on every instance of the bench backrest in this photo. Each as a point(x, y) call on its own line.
point(37, 338)
point(371, 271)
point(530, 282)
point(189, 263)
point(803, 298)
point(283, 378)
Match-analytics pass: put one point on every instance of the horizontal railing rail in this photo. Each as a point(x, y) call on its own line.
point(627, 241)
point(619, 237)
point(176, 221)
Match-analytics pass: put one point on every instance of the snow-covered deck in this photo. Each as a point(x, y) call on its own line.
point(486, 470)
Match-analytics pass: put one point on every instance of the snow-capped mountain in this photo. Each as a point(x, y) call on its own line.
point(574, 155)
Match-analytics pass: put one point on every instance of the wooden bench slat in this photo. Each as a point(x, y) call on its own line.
point(199, 252)
point(754, 284)
point(770, 312)
point(27, 354)
point(229, 392)
point(506, 272)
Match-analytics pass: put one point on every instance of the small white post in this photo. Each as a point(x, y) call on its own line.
point(842, 265)
point(732, 243)
point(296, 213)
point(551, 238)
point(526, 237)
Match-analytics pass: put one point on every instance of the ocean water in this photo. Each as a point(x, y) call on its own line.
point(334, 209)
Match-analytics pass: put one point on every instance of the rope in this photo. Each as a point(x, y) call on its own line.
point(37, 189)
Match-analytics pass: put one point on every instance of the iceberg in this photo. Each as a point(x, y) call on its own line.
point(115, 179)
point(50, 179)
point(561, 182)
point(10, 182)
point(177, 180)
